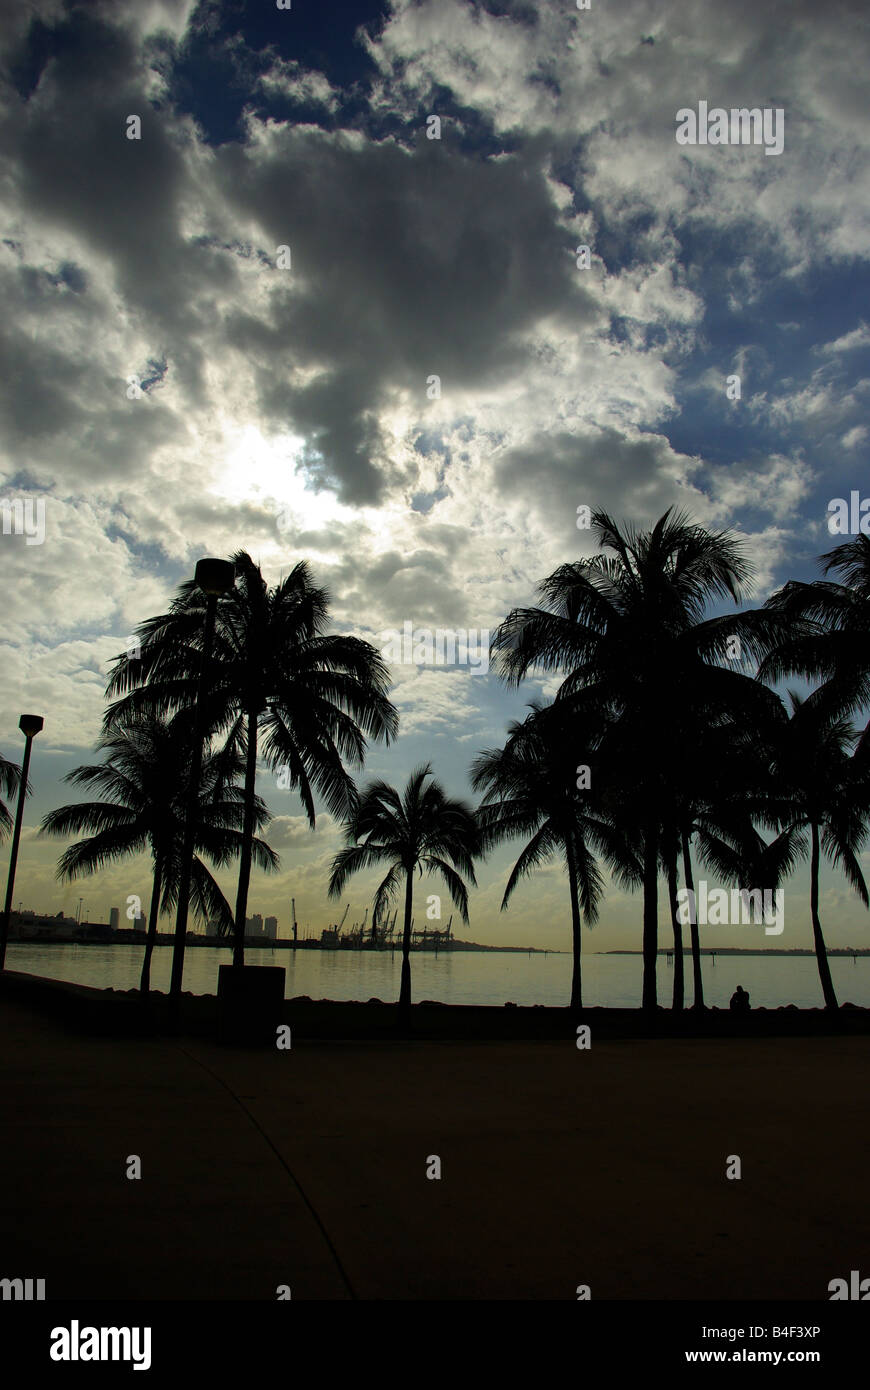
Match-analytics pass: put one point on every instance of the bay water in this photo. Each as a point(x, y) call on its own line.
point(461, 977)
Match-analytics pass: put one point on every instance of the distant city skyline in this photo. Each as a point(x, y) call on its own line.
point(114, 917)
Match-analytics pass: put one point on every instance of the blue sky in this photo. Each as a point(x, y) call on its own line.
point(287, 411)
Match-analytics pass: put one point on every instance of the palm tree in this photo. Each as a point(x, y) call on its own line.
point(280, 686)
point(719, 779)
point(824, 631)
point(10, 780)
point(629, 630)
point(822, 790)
point(142, 805)
point(420, 829)
point(531, 789)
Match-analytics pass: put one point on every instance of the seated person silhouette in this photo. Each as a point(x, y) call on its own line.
point(740, 1001)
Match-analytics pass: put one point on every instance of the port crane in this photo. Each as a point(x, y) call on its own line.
point(354, 936)
point(443, 937)
point(387, 933)
point(330, 935)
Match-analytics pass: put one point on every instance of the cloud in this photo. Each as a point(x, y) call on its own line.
point(853, 438)
point(294, 832)
point(858, 338)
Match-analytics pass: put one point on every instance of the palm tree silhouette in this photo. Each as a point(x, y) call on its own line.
point(718, 781)
point(531, 789)
point(630, 632)
point(142, 806)
point(824, 629)
point(822, 790)
point(282, 687)
point(420, 829)
point(10, 780)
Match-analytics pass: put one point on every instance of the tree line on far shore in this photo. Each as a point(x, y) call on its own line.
point(666, 743)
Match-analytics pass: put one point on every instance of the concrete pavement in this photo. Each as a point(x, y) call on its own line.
point(308, 1167)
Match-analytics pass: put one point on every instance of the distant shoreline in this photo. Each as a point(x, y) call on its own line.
point(280, 944)
point(285, 944)
point(748, 951)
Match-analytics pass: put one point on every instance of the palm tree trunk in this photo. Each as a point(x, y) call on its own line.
point(689, 881)
point(650, 913)
point(153, 913)
point(192, 811)
point(247, 842)
point(405, 987)
point(679, 977)
point(818, 939)
point(576, 938)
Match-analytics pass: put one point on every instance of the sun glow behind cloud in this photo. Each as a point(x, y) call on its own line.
point(268, 470)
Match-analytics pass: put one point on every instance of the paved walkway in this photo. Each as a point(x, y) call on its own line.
point(308, 1168)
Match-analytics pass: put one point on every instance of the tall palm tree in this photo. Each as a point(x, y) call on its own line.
point(719, 779)
point(822, 792)
point(630, 633)
point(421, 829)
point(824, 632)
point(531, 790)
point(10, 780)
point(142, 806)
point(279, 685)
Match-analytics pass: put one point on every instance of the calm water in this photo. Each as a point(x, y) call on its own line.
point(461, 978)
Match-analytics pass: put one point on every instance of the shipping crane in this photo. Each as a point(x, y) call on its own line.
point(354, 936)
point(389, 929)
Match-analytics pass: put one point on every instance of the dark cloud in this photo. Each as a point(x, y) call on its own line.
point(404, 265)
point(604, 470)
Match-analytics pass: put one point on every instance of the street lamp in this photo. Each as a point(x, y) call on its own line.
point(30, 725)
point(214, 577)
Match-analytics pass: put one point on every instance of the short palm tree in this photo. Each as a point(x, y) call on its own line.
point(822, 791)
point(142, 806)
point(630, 633)
point(278, 685)
point(531, 790)
point(420, 829)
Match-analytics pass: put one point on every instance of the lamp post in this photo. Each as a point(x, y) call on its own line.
point(30, 725)
point(214, 577)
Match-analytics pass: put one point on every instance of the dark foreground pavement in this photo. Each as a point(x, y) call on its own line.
point(308, 1167)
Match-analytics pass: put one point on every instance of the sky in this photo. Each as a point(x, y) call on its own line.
point(298, 316)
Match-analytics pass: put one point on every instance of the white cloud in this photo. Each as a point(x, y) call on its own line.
point(859, 337)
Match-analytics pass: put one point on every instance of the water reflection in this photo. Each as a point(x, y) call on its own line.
point(456, 977)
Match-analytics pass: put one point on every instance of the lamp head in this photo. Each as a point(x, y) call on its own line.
point(215, 576)
point(31, 724)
